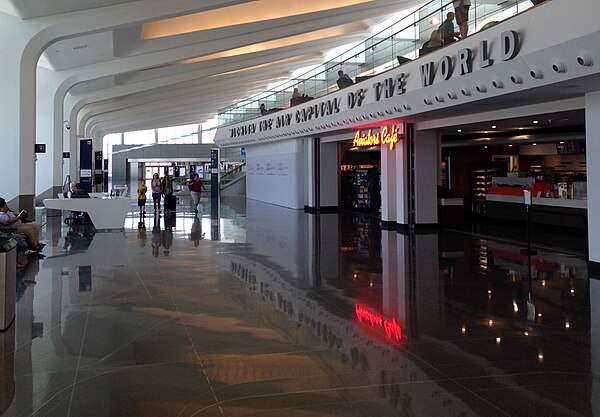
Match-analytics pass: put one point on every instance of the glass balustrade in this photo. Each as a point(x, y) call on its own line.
point(231, 176)
point(382, 52)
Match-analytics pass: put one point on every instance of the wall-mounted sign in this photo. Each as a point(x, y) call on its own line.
point(40, 148)
point(391, 327)
point(387, 136)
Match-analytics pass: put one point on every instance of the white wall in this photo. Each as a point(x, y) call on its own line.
point(276, 173)
point(592, 134)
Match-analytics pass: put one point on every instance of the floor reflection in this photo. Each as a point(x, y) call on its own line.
point(251, 309)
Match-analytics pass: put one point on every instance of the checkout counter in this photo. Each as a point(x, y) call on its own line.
point(505, 201)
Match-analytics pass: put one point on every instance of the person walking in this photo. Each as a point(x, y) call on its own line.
point(167, 189)
point(156, 187)
point(196, 187)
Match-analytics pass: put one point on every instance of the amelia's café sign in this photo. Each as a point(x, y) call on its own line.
point(388, 88)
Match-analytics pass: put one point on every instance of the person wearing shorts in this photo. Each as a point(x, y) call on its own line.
point(142, 190)
point(461, 9)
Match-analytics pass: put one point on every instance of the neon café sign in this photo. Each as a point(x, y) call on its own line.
point(391, 327)
point(387, 136)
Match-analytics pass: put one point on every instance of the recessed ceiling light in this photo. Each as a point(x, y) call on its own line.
point(521, 128)
point(485, 132)
point(510, 146)
point(535, 122)
point(561, 142)
point(485, 146)
point(493, 126)
point(459, 130)
point(534, 144)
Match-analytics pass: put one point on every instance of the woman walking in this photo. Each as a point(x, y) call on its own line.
point(157, 189)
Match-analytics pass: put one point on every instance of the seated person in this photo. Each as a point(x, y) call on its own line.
point(70, 190)
point(344, 80)
point(14, 223)
point(79, 192)
point(434, 42)
point(78, 217)
point(447, 29)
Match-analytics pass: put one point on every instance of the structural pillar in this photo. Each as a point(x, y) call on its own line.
point(425, 185)
point(416, 178)
point(592, 142)
point(329, 175)
point(388, 185)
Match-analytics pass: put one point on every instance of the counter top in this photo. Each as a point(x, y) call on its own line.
point(550, 202)
point(105, 213)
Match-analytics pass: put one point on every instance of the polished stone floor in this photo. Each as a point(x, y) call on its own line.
point(249, 309)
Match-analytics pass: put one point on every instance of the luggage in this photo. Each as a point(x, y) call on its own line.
point(170, 203)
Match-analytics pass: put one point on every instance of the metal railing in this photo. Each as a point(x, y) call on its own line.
point(382, 52)
point(233, 175)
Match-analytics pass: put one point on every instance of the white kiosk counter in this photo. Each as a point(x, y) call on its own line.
point(105, 213)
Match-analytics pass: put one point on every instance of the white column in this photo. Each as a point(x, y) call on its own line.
point(49, 131)
point(17, 123)
point(426, 168)
point(309, 152)
point(592, 135)
point(388, 184)
point(400, 155)
point(330, 175)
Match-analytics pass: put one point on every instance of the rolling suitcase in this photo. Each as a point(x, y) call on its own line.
point(170, 203)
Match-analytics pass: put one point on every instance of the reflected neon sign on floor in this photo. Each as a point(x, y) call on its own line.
point(391, 327)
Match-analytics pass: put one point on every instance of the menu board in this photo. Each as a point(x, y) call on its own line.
point(567, 148)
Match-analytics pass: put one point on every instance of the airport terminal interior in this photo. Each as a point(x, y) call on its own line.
point(398, 214)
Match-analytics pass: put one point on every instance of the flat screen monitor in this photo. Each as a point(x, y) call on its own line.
point(171, 171)
point(182, 172)
point(200, 171)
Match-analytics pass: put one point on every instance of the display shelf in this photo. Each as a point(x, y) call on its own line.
point(481, 182)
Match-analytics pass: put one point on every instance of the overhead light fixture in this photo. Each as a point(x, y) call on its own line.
point(534, 144)
point(493, 126)
point(521, 128)
point(486, 132)
point(459, 130)
point(561, 142)
point(485, 146)
point(510, 146)
point(535, 122)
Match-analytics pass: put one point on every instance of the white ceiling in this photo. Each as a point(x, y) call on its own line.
point(133, 84)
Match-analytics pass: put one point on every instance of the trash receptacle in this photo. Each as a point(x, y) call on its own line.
point(8, 282)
